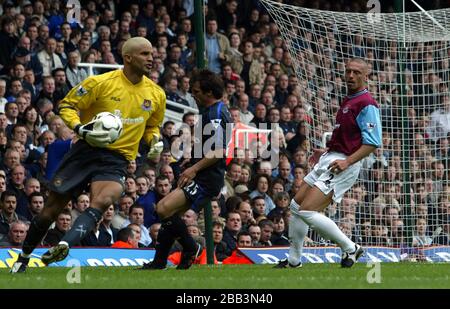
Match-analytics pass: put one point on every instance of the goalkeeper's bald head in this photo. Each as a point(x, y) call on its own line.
point(134, 44)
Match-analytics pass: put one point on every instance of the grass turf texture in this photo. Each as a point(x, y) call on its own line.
point(393, 275)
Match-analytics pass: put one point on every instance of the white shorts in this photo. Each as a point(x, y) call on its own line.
point(326, 181)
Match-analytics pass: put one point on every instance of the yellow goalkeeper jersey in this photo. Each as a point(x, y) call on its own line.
point(141, 107)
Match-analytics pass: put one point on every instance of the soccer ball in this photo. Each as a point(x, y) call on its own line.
point(106, 121)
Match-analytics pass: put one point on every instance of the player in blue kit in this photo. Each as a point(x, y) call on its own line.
point(357, 133)
point(203, 179)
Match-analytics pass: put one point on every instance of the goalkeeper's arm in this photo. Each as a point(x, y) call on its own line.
point(151, 136)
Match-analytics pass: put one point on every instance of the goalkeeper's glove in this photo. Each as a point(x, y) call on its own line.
point(95, 138)
point(156, 147)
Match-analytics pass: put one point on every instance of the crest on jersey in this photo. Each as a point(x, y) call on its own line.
point(345, 110)
point(147, 105)
point(81, 91)
point(216, 123)
point(371, 126)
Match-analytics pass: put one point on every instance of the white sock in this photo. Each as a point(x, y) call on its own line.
point(328, 229)
point(294, 207)
point(62, 242)
point(297, 232)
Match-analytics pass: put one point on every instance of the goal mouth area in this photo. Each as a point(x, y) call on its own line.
point(403, 191)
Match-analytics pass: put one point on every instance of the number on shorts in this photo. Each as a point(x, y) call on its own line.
point(328, 181)
point(192, 188)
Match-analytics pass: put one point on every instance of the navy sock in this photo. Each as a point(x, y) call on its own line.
point(82, 226)
point(164, 241)
point(182, 234)
point(38, 228)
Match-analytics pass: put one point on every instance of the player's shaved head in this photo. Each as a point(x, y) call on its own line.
point(133, 44)
point(360, 61)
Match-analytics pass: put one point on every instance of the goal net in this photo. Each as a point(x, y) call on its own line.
point(402, 197)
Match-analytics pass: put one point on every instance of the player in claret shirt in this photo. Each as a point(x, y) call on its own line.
point(357, 133)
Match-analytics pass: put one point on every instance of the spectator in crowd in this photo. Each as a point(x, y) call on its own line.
point(48, 58)
point(233, 226)
point(279, 235)
point(125, 202)
point(243, 240)
point(147, 198)
point(266, 233)
point(16, 235)
point(80, 205)
point(104, 235)
point(61, 87)
point(35, 205)
point(62, 225)
point(126, 239)
point(215, 215)
point(255, 233)
point(216, 45)
point(75, 74)
point(137, 232)
point(262, 184)
point(8, 212)
point(440, 119)
point(221, 250)
point(136, 216)
point(245, 211)
point(8, 39)
point(154, 230)
point(421, 237)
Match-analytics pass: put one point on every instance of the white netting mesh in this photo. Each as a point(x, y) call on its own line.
point(402, 197)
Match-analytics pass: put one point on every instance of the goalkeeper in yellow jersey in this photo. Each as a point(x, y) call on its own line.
point(141, 105)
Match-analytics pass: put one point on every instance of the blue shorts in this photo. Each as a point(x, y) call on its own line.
point(196, 195)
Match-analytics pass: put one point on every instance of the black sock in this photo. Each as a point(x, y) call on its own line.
point(38, 228)
point(182, 235)
point(164, 243)
point(82, 226)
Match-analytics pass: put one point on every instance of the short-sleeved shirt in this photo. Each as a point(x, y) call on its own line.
point(357, 123)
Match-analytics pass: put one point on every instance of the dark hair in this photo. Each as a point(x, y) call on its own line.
point(66, 212)
point(30, 197)
point(243, 233)
point(168, 122)
point(258, 177)
point(209, 81)
point(161, 178)
point(124, 234)
point(187, 115)
point(233, 162)
point(134, 206)
point(232, 203)
point(7, 193)
point(57, 70)
point(264, 223)
point(258, 197)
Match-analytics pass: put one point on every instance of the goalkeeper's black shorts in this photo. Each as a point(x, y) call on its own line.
point(84, 164)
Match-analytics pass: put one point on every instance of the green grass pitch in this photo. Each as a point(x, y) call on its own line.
point(393, 275)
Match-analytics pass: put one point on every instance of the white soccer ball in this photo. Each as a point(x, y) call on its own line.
point(106, 121)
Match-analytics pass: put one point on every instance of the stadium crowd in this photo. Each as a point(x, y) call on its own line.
point(39, 56)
